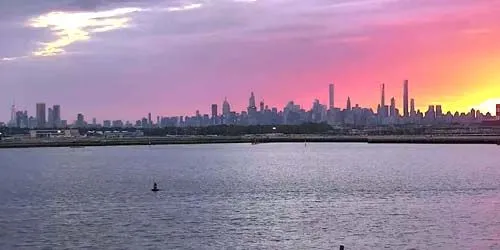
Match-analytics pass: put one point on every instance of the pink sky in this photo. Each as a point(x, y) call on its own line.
point(172, 59)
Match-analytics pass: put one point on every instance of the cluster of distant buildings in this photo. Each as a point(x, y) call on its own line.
point(292, 114)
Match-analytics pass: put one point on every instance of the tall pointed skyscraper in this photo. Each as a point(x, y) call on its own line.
point(252, 108)
point(13, 117)
point(226, 108)
point(382, 98)
point(348, 106)
point(412, 107)
point(405, 99)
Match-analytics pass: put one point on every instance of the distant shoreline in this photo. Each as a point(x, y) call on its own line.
point(100, 142)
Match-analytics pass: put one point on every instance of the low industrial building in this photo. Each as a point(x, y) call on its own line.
point(51, 133)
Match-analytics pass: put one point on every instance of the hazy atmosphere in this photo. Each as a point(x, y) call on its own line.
point(124, 58)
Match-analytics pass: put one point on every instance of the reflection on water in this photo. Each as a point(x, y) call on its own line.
point(269, 196)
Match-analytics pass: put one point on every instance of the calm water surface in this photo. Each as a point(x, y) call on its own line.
point(267, 196)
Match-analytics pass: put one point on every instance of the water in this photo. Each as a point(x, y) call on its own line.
point(266, 196)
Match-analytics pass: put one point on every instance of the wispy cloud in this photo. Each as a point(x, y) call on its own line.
point(70, 27)
point(9, 59)
point(185, 7)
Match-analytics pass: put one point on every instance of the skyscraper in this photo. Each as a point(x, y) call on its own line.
point(405, 99)
point(262, 106)
point(50, 118)
point(348, 106)
point(226, 108)
point(439, 111)
point(393, 107)
point(80, 121)
point(214, 110)
point(41, 119)
point(331, 93)
point(13, 117)
point(498, 111)
point(251, 102)
point(412, 106)
point(252, 109)
point(56, 109)
point(382, 98)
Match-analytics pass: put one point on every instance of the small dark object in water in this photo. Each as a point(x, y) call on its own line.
point(155, 188)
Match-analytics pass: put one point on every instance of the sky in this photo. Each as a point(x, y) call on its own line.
point(120, 59)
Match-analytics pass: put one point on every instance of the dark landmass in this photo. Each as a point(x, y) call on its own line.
point(91, 142)
point(312, 132)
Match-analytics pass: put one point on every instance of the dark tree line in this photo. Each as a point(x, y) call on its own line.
point(307, 128)
point(235, 130)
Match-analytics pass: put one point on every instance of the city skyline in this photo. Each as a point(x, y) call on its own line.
point(112, 57)
point(406, 109)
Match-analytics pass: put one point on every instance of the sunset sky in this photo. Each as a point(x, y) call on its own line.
point(120, 59)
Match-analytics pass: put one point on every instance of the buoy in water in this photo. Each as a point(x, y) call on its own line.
point(155, 188)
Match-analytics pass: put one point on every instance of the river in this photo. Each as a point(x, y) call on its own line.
point(242, 196)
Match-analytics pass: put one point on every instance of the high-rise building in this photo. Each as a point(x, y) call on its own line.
point(262, 106)
point(107, 123)
point(21, 120)
point(348, 106)
point(214, 110)
point(382, 97)
point(498, 111)
point(431, 113)
point(117, 124)
point(392, 109)
point(226, 108)
point(331, 94)
point(57, 115)
point(13, 117)
point(251, 103)
point(412, 106)
point(439, 111)
point(41, 119)
point(80, 121)
point(150, 122)
point(405, 99)
point(50, 118)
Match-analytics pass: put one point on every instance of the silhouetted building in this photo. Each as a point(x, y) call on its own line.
point(430, 115)
point(412, 107)
point(251, 104)
point(80, 121)
point(382, 97)
point(107, 123)
point(41, 119)
point(50, 118)
point(117, 124)
point(226, 108)
point(56, 109)
point(498, 111)
point(392, 109)
point(405, 99)
point(214, 110)
point(439, 111)
point(331, 95)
